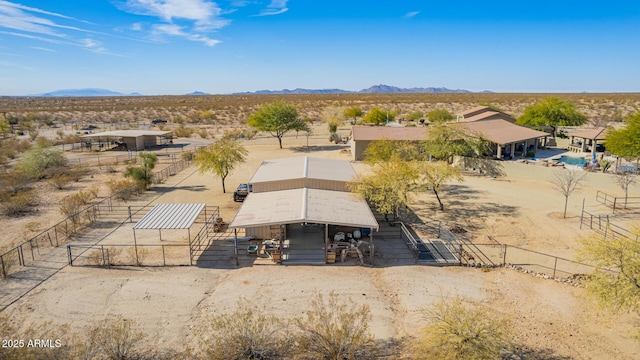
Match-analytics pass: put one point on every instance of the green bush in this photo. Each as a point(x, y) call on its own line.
point(460, 330)
point(40, 162)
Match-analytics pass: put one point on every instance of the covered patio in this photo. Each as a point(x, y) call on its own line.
point(311, 215)
point(588, 140)
point(509, 139)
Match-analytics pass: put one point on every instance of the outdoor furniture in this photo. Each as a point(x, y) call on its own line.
point(352, 250)
point(269, 247)
point(339, 236)
point(252, 250)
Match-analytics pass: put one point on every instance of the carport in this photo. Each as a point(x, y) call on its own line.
point(127, 139)
point(302, 206)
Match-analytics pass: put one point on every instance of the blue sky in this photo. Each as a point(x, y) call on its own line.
point(178, 46)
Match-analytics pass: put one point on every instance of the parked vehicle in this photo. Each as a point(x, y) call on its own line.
point(241, 192)
point(158, 121)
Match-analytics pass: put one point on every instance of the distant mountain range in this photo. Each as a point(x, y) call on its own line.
point(376, 89)
point(83, 93)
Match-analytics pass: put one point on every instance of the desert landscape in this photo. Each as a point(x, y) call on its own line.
point(551, 319)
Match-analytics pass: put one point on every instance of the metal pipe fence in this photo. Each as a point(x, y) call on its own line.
point(602, 225)
point(617, 202)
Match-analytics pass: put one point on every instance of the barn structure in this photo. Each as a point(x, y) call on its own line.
point(126, 140)
point(303, 205)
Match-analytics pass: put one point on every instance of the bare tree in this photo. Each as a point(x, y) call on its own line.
point(566, 182)
point(625, 179)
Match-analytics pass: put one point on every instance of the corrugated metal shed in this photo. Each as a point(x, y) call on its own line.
point(170, 216)
point(304, 205)
point(303, 168)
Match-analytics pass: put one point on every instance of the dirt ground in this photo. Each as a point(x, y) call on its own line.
point(550, 319)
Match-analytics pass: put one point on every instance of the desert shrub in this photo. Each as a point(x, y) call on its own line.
point(40, 162)
point(122, 189)
point(333, 126)
point(203, 133)
point(71, 205)
point(20, 203)
point(247, 333)
point(459, 330)
point(33, 134)
point(187, 156)
point(183, 132)
point(137, 256)
point(43, 141)
point(77, 172)
point(56, 334)
point(61, 181)
point(13, 183)
point(334, 329)
point(114, 338)
point(114, 253)
point(96, 257)
point(143, 174)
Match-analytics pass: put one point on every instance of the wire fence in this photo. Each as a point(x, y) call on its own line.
point(531, 260)
point(129, 255)
point(110, 209)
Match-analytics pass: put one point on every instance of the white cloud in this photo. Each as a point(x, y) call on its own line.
point(204, 13)
point(42, 49)
point(411, 14)
point(136, 27)
point(205, 16)
point(160, 30)
point(274, 8)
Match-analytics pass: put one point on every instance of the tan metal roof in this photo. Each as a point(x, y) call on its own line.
point(170, 216)
point(500, 131)
point(474, 110)
point(489, 114)
point(599, 133)
point(370, 133)
point(304, 205)
point(128, 133)
point(303, 167)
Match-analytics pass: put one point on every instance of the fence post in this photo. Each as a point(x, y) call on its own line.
point(129, 209)
point(582, 213)
point(504, 255)
point(4, 274)
point(164, 262)
point(33, 258)
point(69, 255)
point(614, 205)
point(555, 265)
point(55, 232)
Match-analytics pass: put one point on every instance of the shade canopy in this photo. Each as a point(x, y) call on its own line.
point(170, 216)
point(304, 205)
point(127, 133)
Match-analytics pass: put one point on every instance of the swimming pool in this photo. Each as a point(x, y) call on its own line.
point(573, 160)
